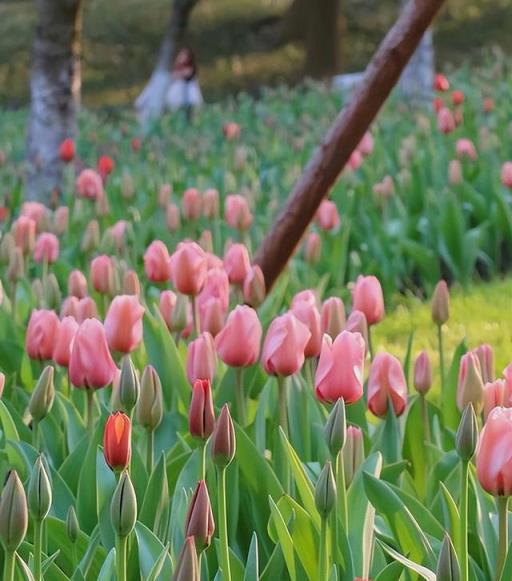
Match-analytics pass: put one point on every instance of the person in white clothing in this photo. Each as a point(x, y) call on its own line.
point(184, 91)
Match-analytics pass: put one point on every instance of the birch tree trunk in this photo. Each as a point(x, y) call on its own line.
point(55, 94)
point(150, 103)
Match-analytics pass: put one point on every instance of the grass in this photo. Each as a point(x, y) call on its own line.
point(238, 44)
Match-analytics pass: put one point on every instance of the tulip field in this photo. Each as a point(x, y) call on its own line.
point(164, 415)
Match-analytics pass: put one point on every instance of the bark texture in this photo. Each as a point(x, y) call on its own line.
point(55, 94)
point(150, 103)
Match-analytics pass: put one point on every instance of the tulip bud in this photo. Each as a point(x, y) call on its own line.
point(441, 303)
point(470, 388)
point(254, 287)
point(206, 241)
point(447, 565)
point(313, 248)
point(38, 291)
point(199, 522)
point(422, 373)
point(353, 453)
point(72, 526)
point(39, 492)
point(332, 317)
point(336, 428)
point(150, 405)
point(117, 441)
point(129, 386)
point(16, 268)
point(131, 283)
point(467, 434)
point(187, 567)
point(123, 509)
point(325, 491)
point(91, 237)
point(41, 400)
point(201, 417)
point(7, 246)
point(52, 292)
point(13, 513)
point(223, 439)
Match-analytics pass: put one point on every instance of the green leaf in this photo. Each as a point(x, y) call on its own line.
point(108, 570)
point(390, 573)
point(451, 413)
point(285, 539)
point(419, 569)
point(150, 550)
point(156, 498)
point(252, 563)
point(8, 425)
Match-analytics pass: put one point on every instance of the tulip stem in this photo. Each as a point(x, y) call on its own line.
point(503, 533)
point(13, 301)
point(195, 316)
point(90, 410)
point(150, 442)
point(38, 530)
point(241, 402)
point(202, 457)
point(121, 557)
point(283, 412)
point(35, 434)
point(370, 343)
point(223, 526)
point(464, 559)
point(424, 413)
point(324, 560)
point(9, 560)
point(342, 491)
point(441, 355)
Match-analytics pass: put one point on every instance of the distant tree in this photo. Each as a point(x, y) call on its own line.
point(151, 102)
point(55, 93)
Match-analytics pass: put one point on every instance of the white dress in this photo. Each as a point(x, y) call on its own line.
point(183, 93)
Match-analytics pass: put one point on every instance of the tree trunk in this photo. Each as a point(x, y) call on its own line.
point(151, 102)
point(55, 91)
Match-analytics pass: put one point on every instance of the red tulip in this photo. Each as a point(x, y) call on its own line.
point(231, 130)
point(332, 317)
point(136, 144)
point(42, 333)
point(117, 447)
point(441, 83)
point(191, 204)
point(46, 248)
point(283, 349)
point(238, 343)
point(188, 268)
point(488, 105)
point(67, 150)
point(437, 104)
point(341, 368)
point(123, 323)
point(386, 382)
point(105, 166)
point(102, 274)
point(201, 416)
point(199, 522)
point(89, 185)
point(457, 98)
point(367, 297)
point(201, 358)
point(237, 263)
point(466, 148)
point(237, 212)
point(445, 120)
point(157, 262)
point(64, 342)
point(91, 365)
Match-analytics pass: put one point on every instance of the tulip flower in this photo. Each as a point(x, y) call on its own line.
point(216, 286)
point(201, 358)
point(77, 284)
point(86, 309)
point(67, 150)
point(123, 323)
point(175, 311)
point(103, 275)
point(455, 175)
point(327, 216)
point(66, 335)
point(485, 357)
point(254, 287)
point(157, 262)
point(150, 409)
point(332, 317)
point(506, 174)
point(465, 148)
point(42, 334)
point(309, 315)
point(91, 237)
point(340, 368)
point(445, 121)
point(367, 297)
point(366, 144)
point(188, 268)
point(237, 263)
point(422, 373)
point(386, 383)
point(123, 515)
point(457, 98)
point(211, 316)
point(131, 283)
point(306, 296)
point(199, 522)
point(13, 517)
point(201, 418)
point(441, 83)
point(89, 185)
point(313, 248)
point(191, 204)
point(24, 233)
point(496, 394)
point(46, 248)
point(440, 315)
point(37, 212)
point(237, 213)
point(238, 344)
point(187, 567)
point(117, 441)
point(172, 217)
point(210, 204)
point(356, 323)
point(470, 386)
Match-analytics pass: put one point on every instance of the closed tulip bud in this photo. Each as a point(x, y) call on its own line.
point(157, 264)
point(102, 274)
point(41, 400)
point(455, 175)
point(211, 204)
point(91, 237)
point(52, 291)
point(150, 407)
point(164, 195)
point(24, 230)
point(123, 509)
point(77, 284)
point(131, 283)
point(187, 567)
point(367, 297)
point(13, 513)
point(201, 361)
point(470, 387)
point(422, 373)
point(39, 492)
point(123, 323)
point(38, 291)
point(237, 212)
point(86, 309)
point(174, 309)
point(237, 263)
point(201, 417)
point(353, 453)
point(441, 303)
point(129, 386)
point(485, 357)
point(211, 316)
point(7, 246)
point(46, 248)
point(332, 317)
point(199, 522)
point(467, 434)
point(327, 216)
point(254, 287)
point(206, 241)
point(16, 268)
point(61, 220)
point(506, 174)
point(189, 268)
point(223, 439)
point(192, 204)
point(72, 525)
point(313, 248)
point(386, 386)
point(356, 323)
point(117, 447)
point(238, 343)
point(448, 564)
point(325, 491)
point(2, 383)
point(172, 217)
point(336, 428)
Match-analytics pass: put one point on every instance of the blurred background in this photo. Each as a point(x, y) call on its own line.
point(240, 45)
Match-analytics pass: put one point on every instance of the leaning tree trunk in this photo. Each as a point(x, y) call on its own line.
point(151, 102)
point(55, 92)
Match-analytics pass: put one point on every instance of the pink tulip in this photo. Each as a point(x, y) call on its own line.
point(386, 381)
point(91, 365)
point(123, 323)
point(366, 144)
point(327, 216)
point(46, 248)
point(309, 315)
point(213, 261)
point(61, 220)
point(422, 373)
point(118, 233)
point(385, 188)
point(237, 213)
point(494, 453)
point(201, 358)
point(191, 204)
point(86, 309)
point(238, 344)
point(506, 174)
point(341, 368)
point(313, 248)
point(283, 349)
point(254, 287)
point(332, 317)
point(237, 263)
point(157, 262)
point(64, 343)
point(211, 204)
point(354, 161)
point(217, 287)
point(69, 307)
point(42, 332)
point(496, 394)
point(455, 175)
point(77, 284)
point(466, 148)
point(175, 310)
point(306, 296)
point(90, 185)
point(367, 297)
point(189, 268)
point(164, 195)
point(205, 241)
point(485, 356)
point(445, 120)
point(211, 316)
point(356, 323)
point(470, 386)
point(25, 233)
point(172, 217)
point(37, 212)
point(102, 274)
